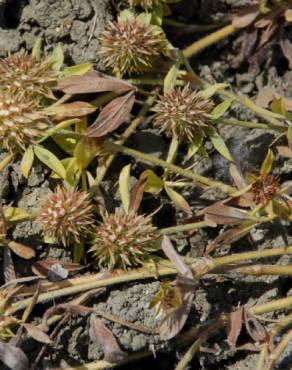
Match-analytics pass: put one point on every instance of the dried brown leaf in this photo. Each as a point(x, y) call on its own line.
point(246, 49)
point(254, 328)
point(41, 268)
point(221, 214)
point(102, 336)
point(235, 327)
point(8, 265)
point(21, 250)
point(267, 35)
point(13, 357)
point(137, 192)
point(286, 47)
point(285, 151)
point(245, 17)
point(237, 177)
point(112, 115)
point(265, 96)
point(37, 334)
point(92, 82)
point(33, 302)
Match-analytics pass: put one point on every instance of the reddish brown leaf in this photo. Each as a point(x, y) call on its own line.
point(235, 327)
point(37, 334)
point(137, 192)
point(112, 115)
point(41, 268)
point(174, 322)
point(221, 214)
point(21, 250)
point(13, 357)
point(254, 328)
point(92, 82)
point(102, 336)
point(245, 17)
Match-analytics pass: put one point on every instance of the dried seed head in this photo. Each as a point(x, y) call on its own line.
point(265, 188)
point(22, 74)
point(21, 122)
point(66, 216)
point(130, 45)
point(147, 4)
point(183, 113)
point(124, 239)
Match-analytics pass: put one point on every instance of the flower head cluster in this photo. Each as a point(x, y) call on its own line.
point(66, 216)
point(130, 45)
point(183, 113)
point(23, 75)
point(21, 122)
point(124, 239)
point(265, 188)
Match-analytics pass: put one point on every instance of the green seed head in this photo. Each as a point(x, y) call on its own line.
point(124, 239)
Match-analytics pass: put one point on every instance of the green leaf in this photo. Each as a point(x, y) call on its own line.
point(267, 163)
point(289, 136)
point(157, 15)
point(37, 49)
point(144, 18)
point(221, 108)
point(124, 186)
point(171, 77)
point(178, 199)
point(195, 145)
point(153, 183)
point(78, 70)
point(27, 161)
point(57, 58)
point(65, 143)
point(278, 106)
point(13, 214)
point(78, 252)
point(60, 126)
point(74, 109)
point(50, 160)
point(172, 151)
point(211, 90)
point(126, 15)
point(85, 151)
point(218, 143)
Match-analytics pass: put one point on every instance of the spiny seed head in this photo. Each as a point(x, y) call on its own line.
point(130, 45)
point(124, 239)
point(23, 74)
point(66, 216)
point(147, 4)
point(21, 122)
point(264, 189)
point(183, 113)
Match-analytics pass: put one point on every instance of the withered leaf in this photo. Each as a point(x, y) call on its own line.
point(236, 321)
point(245, 17)
point(221, 214)
point(112, 115)
point(93, 82)
point(33, 302)
point(285, 151)
point(246, 48)
point(286, 47)
point(175, 320)
point(8, 265)
point(13, 357)
point(22, 250)
point(74, 109)
point(37, 334)
point(237, 177)
point(41, 268)
point(102, 336)
point(136, 195)
point(254, 328)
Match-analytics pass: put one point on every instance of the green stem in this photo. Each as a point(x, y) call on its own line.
point(276, 353)
point(159, 162)
point(186, 359)
point(181, 228)
point(204, 42)
point(259, 270)
point(235, 122)
point(101, 172)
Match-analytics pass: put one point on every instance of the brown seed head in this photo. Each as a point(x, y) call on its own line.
point(183, 113)
point(21, 122)
point(124, 239)
point(130, 46)
point(265, 188)
point(22, 74)
point(66, 216)
point(147, 4)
